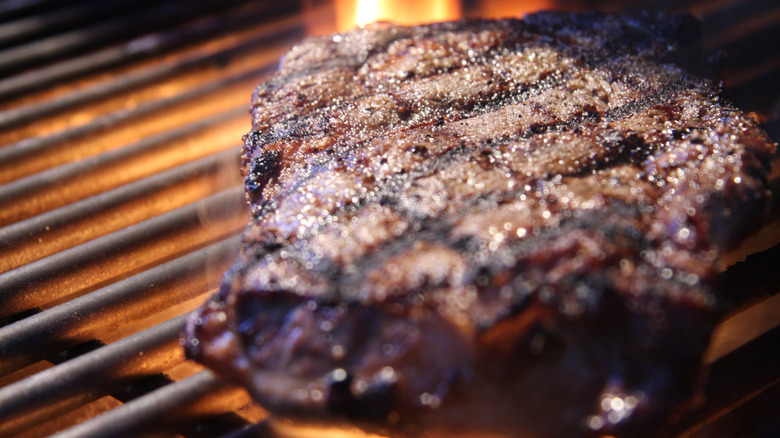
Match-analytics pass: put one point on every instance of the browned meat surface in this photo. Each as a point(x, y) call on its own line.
point(485, 227)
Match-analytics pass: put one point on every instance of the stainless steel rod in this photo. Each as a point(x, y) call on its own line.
point(54, 219)
point(23, 186)
point(141, 295)
point(135, 49)
point(132, 80)
point(90, 376)
point(156, 411)
point(36, 145)
point(66, 43)
point(39, 282)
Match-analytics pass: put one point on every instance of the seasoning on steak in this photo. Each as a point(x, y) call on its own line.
point(485, 227)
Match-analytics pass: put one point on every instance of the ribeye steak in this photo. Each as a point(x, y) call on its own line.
point(506, 227)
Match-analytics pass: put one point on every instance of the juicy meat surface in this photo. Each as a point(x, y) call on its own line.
point(485, 227)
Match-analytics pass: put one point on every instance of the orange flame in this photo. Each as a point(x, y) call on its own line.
point(351, 13)
point(362, 12)
point(518, 8)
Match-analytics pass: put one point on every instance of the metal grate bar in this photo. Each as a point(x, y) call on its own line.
point(71, 16)
point(273, 34)
point(752, 369)
point(90, 376)
point(27, 196)
point(184, 402)
point(207, 170)
point(258, 430)
point(84, 318)
point(745, 50)
point(129, 249)
point(719, 21)
point(752, 418)
point(75, 257)
point(12, 9)
point(745, 282)
point(25, 149)
point(104, 32)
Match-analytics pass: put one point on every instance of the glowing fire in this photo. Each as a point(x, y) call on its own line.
point(406, 11)
point(518, 8)
point(325, 17)
point(351, 13)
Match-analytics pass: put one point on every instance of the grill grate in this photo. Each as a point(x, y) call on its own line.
point(120, 208)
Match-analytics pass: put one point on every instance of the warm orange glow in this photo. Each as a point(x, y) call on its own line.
point(517, 8)
point(351, 13)
point(361, 12)
point(343, 15)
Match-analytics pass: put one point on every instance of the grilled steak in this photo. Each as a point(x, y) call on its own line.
point(490, 227)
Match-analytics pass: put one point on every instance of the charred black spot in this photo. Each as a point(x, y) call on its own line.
point(538, 128)
point(419, 150)
point(265, 167)
point(404, 112)
point(590, 113)
point(377, 402)
point(623, 148)
point(257, 139)
point(373, 404)
point(636, 149)
point(340, 398)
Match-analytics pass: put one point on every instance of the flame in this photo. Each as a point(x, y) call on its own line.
point(518, 8)
point(343, 15)
point(362, 12)
point(368, 11)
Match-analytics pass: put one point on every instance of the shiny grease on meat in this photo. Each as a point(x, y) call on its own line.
point(493, 227)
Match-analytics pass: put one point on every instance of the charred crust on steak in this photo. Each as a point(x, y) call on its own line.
point(489, 227)
point(264, 170)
